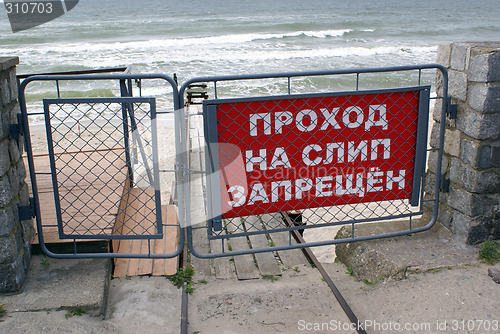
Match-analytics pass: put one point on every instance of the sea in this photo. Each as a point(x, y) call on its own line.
point(194, 38)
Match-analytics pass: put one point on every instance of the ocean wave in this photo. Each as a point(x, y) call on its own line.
point(156, 52)
point(47, 94)
point(178, 43)
point(260, 55)
point(158, 56)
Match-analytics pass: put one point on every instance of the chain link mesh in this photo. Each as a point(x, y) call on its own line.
point(102, 160)
point(361, 173)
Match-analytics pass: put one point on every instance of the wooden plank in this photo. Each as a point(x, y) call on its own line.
point(223, 268)
point(168, 245)
point(133, 263)
point(101, 226)
point(78, 176)
point(172, 239)
point(138, 219)
point(160, 247)
point(42, 162)
point(245, 264)
point(82, 201)
point(44, 183)
point(103, 202)
point(120, 217)
point(266, 262)
point(93, 164)
point(134, 207)
point(145, 266)
point(146, 225)
point(97, 147)
point(121, 264)
point(51, 235)
point(292, 257)
point(141, 221)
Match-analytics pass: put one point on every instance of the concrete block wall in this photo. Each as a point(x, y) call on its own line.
point(15, 235)
point(471, 158)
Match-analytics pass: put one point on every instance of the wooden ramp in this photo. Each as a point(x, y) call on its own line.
point(156, 267)
point(96, 221)
point(113, 189)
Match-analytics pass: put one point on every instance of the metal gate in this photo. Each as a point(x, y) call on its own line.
point(95, 169)
point(314, 162)
point(243, 167)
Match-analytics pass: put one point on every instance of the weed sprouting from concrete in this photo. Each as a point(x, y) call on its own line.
point(490, 252)
point(183, 276)
point(369, 283)
point(2, 312)
point(78, 311)
point(189, 288)
point(45, 263)
point(272, 278)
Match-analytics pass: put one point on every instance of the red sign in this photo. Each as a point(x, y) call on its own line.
point(293, 153)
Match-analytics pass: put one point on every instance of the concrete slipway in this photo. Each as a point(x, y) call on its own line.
point(442, 285)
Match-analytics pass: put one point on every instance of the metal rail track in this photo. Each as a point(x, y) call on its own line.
point(314, 260)
point(310, 256)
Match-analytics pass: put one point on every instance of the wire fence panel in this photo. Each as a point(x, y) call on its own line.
point(97, 169)
point(306, 162)
point(305, 152)
point(101, 151)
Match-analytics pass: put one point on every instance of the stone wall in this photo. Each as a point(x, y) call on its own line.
point(14, 235)
point(471, 158)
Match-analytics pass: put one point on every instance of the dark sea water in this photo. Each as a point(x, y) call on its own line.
point(211, 37)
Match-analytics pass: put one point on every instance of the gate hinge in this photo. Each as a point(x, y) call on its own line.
point(216, 223)
point(26, 212)
point(16, 130)
point(445, 184)
point(452, 110)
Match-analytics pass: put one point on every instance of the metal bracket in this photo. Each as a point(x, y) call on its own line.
point(451, 110)
point(26, 212)
point(216, 223)
point(444, 184)
point(16, 130)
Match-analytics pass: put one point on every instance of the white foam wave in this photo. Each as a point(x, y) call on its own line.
point(261, 55)
point(180, 42)
point(154, 52)
point(157, 55)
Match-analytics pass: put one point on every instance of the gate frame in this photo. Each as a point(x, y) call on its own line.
point(288, 76)
point(118, 100)
point(182, 171)
point(122, 78)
